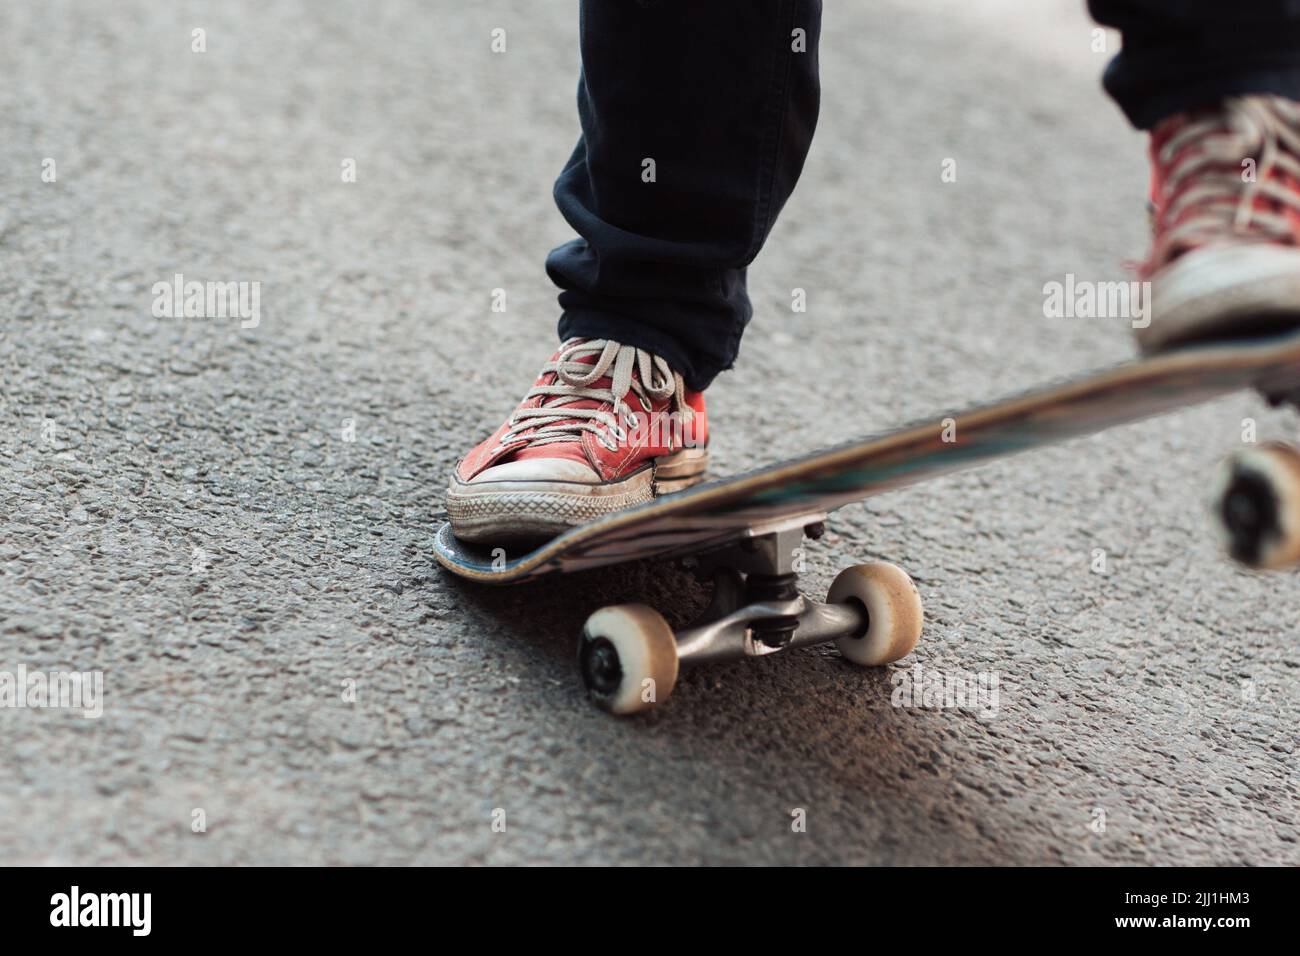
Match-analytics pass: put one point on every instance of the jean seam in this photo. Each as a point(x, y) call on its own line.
point(770, 158)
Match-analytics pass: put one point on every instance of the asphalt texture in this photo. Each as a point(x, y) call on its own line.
point(253, 575)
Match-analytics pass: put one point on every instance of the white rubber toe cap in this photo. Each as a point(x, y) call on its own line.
point(539, 469)
point(1219, 291)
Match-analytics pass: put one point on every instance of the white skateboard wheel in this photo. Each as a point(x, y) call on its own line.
point(894, 614)
point(628, 657)
point(1257, 506)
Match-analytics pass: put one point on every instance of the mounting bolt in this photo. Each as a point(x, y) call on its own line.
point(815, 530)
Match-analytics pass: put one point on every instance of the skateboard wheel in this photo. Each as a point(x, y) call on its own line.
point(1256, 502)
point(894, 613)
point(628, 658)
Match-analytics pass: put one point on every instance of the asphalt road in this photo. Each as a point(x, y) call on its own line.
point(182, 508)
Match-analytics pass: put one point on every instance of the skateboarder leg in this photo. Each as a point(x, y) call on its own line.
point(1217, 85)
point(696, 119)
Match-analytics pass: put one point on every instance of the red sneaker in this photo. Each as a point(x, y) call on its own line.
point(605, 426)
point(1226, 195)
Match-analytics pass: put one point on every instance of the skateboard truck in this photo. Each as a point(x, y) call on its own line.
point(630, 657)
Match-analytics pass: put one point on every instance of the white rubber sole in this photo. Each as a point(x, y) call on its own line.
point(504, 511)
point(1224, 291)
point(680, 470)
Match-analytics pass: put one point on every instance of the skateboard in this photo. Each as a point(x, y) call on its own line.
point(746, 532)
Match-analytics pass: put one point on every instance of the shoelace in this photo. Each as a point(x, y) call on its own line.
point(1208, 184)
point(555, 420)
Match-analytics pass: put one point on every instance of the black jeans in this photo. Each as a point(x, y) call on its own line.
point(697, 116)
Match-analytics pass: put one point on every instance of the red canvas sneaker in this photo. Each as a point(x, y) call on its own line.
point(605, 426)
point(1225, 193)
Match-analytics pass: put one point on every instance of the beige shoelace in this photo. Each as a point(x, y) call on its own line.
point(555, 420)
point(1219, 199)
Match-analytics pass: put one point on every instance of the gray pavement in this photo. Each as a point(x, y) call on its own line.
point(279, 650)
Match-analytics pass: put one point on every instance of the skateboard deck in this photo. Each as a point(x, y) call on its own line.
point(804, 489)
